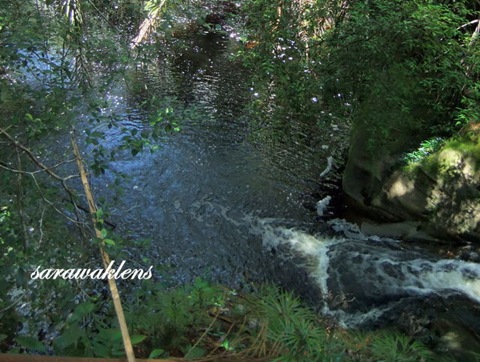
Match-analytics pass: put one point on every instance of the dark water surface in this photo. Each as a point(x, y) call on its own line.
point(200, 195)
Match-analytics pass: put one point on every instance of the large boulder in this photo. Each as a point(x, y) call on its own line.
point(370, 164)
point(439, 196)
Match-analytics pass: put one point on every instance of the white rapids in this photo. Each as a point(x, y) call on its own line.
point(370, 269)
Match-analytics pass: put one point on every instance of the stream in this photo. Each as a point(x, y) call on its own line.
point(218, 206)
point(199, 195)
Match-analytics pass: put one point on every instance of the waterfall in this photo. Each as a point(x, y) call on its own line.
point(370, 274)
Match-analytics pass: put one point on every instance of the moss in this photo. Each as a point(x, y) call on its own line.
point(460, 150)
point(466, 145)
point(428, 165)
point(447, 159)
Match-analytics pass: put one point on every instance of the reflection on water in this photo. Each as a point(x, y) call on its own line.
point(195, 196)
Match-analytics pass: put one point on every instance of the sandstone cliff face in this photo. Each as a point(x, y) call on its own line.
point(438, 197)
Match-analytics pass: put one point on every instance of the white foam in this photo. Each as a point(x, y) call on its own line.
point(446, 275)
point(392, 271)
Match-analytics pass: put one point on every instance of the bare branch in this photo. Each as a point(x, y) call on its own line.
point(117, 303)
point(50, 203)
point(48, 170)
point(148, 24)
point(20, 203)
point(12, 305)
point(31, 155)
point(40, 225)
point(475, 34)
point(467, 24)
point(14, 170)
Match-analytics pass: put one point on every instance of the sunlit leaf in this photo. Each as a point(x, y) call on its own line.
point(109, 242)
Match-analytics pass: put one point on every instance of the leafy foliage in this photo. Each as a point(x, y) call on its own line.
point(291, 331)
point(398, 348)
point(387, 66)
point(48, 64)
point(202, 320)
point(170, 316)
point(403, 64)
point(281, 40)
point(386, 346)
point(426, 148)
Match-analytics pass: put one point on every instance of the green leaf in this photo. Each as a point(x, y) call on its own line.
point(156, 352)
point(118, 353)
point(82, 310)
point(3, 337)
point(226, 345)
point(104, 233)
point(101, 350)
point(111, 334)
point(100, 214)
point(109, 242)
point(200, 283)
point(195, 352)
point(69, 337)
point(30, 343)
point(136, 339)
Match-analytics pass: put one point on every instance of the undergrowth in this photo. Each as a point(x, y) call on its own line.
point(205, 322)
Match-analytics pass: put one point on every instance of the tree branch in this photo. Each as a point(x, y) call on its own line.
point(148, 24)
point(21, 213)
point(31, 155)
point(117, 303)
point(475, 34)
point(467, 24)
point(44, 168)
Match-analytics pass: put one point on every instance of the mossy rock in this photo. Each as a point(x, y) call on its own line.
point(443, 190)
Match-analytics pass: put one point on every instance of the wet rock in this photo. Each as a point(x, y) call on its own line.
point(449, 327)
point(439, 195)
point(407, 230)
point(364, 175)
